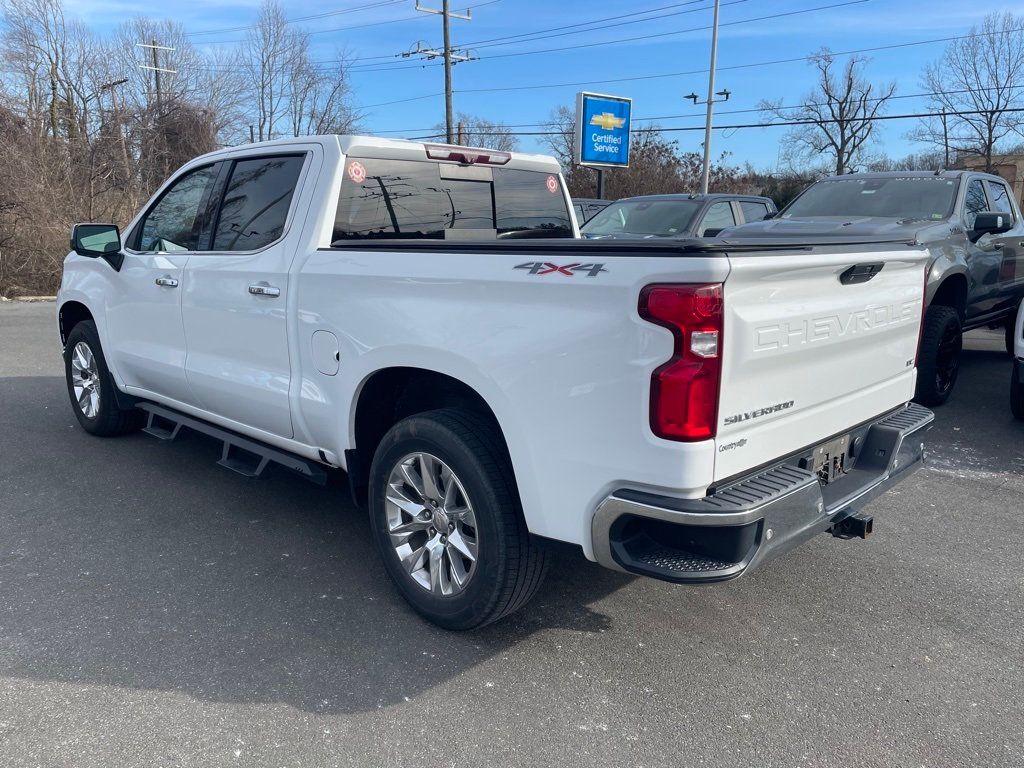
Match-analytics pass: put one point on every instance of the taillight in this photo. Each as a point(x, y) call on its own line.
point(467, 155)
point(684, 391)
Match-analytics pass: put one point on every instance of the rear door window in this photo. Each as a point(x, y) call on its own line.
point(718, 217)
point(753, 210)
point(256, 201)
point(1000, 198)
point(422, 199)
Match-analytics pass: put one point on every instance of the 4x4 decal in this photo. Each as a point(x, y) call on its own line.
point(568, 270)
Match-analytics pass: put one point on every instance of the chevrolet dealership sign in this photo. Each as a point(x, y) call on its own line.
point(602, 130)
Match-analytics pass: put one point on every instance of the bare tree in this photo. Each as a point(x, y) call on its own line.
point(656, 164)
point(481, 132)
point(838, 116)
point(974, 87)
point(85, 136)
point(319, 100)
point(272, 54)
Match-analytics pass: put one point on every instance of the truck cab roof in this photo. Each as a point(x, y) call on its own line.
point(396, 149)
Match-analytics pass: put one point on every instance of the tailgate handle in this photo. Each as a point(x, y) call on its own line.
point(860, 273)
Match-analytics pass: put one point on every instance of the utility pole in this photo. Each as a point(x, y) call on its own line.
point(945, 138)
point(112, 87)
point(156, 73)
point(157, 69)
point(451, 57)
point(706, 172)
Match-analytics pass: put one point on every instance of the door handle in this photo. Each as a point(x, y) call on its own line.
point(264, 289)
point(860, 273)
point(167, 281)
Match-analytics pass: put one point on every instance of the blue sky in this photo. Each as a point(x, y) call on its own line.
point(492, 86)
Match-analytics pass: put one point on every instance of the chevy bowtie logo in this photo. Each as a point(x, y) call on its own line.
point(608, 121)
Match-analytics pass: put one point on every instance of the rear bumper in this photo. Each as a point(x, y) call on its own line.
point(754, 518)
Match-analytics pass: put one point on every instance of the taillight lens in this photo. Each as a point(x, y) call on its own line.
point(684, 391)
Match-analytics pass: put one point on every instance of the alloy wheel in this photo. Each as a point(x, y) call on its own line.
point(85, 380)
point(431, 524)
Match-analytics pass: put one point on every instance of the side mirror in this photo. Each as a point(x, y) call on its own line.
point(98, 241)
point(990, 223)
point(712, 232)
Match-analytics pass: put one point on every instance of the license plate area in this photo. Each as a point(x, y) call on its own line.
point(829, 461)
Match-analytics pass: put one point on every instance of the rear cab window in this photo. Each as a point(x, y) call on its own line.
point(753, 210)
point(1000, 198)
point(414, 199)
point(254, 209)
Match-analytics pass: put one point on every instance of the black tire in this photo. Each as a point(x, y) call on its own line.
point(109, 418)
point(510, 563)
point(1011, 327)
point(1017, 390)
point(938, 360)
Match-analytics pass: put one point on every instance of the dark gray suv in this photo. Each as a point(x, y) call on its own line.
point(969, 221)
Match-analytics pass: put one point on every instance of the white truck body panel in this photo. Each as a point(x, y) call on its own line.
point(564, 363)
point(806, 356)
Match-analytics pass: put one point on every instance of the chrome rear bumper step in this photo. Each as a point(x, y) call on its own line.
point(760, 516)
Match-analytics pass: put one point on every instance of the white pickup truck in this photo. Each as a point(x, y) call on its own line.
point(425, 318)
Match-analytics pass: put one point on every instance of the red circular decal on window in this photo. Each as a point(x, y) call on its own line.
point(552, 184)
point(357, 172)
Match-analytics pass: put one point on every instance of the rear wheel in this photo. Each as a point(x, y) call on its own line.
point(91, 388)
point(446, 518)
point(938, 361)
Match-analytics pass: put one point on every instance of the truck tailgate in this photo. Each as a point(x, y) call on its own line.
point(815, 342)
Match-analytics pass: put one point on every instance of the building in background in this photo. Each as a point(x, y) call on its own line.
point(1009, 167)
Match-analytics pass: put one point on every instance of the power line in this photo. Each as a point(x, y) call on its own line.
point(490, 42)
point(750, 65)
point(695, 116)
point(673, 33)
point(403, 101)
point(355, 26)
point(658, 35)
point(777, 124)
point(354, 9)
point(637, 38)
point(873, 49)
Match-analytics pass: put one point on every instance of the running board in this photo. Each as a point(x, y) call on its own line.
point(240, 454)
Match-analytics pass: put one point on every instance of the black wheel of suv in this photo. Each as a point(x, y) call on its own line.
point(1011, 327)
point(91, 387)
point(938, 361)
point(1017, 391)
point(445, 514)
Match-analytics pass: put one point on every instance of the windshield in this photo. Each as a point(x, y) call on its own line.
point(907, 197)
point(660, 218)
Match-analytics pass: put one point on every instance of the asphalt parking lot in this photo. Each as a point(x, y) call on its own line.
point(158, 610)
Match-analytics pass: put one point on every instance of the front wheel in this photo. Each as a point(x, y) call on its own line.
point(446, 518)
point(938, 360)
point(91, 387)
